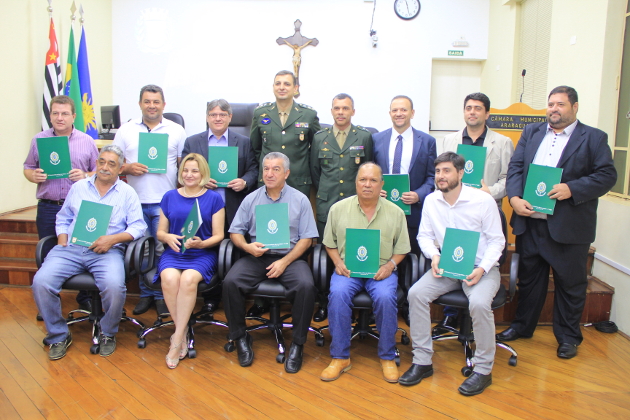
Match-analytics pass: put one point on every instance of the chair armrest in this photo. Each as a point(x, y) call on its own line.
point(408, 271)
point(142, 264)
point(221, 271)
point(315, 263)
point(513, 274)
point(43, 248)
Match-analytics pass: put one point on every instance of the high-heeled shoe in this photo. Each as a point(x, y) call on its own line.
point(183, 352)
point(172, 363)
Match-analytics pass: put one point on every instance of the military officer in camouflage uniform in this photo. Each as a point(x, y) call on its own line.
point(287, 127)
point(336, 154)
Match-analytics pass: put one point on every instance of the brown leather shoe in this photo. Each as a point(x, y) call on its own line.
point(335, 369)
point(390, 370)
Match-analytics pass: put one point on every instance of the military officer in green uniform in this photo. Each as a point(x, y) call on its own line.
point(288, 127)
point(336, 154)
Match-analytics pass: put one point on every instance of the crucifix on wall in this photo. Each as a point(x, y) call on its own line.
point(297, 41)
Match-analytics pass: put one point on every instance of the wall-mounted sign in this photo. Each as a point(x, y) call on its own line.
point(513, 122)
point(456, 53)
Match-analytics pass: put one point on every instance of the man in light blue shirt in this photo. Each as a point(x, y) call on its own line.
point(103, 259)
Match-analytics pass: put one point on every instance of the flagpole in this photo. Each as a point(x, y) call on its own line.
point(53, 83)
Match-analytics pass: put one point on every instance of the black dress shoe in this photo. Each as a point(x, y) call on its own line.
point(567, 351)
point(321, 314)
point(244, 350)
point(86, 306)
point(448, 321)
point(39, 317)
point(257, 310)
point(161, 308)
point(143, 305)
point(210, 307)
point(508, 335)
point(293, 360)
point(415, 374)
point(475, 384)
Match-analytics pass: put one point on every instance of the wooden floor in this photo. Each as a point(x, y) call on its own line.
point(136, 384)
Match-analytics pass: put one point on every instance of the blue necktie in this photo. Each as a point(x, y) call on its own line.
point(397, 156)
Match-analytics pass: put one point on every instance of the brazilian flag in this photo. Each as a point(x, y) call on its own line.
point(71, 87)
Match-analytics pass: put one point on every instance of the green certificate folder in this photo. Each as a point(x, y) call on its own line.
point(191, 225)
point(92, 222)
point(458, 253)
point(54, 156)
point(540, 180)
point(363, 252)
point(475, 157)
point(272, 225)
point(223, 162)
point(153, 151)
point(396, 185)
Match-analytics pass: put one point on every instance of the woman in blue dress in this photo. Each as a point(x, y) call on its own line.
point(180, 271)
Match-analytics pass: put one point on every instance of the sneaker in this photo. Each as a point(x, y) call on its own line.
point(58, 350)
point(107, 345)
point(161, 308)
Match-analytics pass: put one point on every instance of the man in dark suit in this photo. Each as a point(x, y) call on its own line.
point(560, 240)
point(405, 150)
point(218, 116)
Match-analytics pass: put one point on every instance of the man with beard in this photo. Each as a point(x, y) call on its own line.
point(454, 205)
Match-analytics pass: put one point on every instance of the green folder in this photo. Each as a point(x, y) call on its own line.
point(475, 157)
point(272, 225)
point(458, 253)
point(191, 225)
point(153, 151)
point(54, 156)
point(540, 180)
point(363, 252)
point(92, 222)
point(223, 162)
point(396, 185)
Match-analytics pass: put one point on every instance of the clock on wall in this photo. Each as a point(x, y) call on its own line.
point(407, 9)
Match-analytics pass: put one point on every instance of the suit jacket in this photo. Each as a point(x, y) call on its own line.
point(588, 170)
point(421, 170)
point(334, 169)
point(293, 139)
point(499, 150)
point(247, 167)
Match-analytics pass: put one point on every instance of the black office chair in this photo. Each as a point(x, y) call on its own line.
point(176, 118)
point(242, 115)
point(323, 269)
point(200, 317)
point(270, 289)
point(458, 299)
point(85, 281)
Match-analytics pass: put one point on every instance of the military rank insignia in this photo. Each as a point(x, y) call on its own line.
point(265, 121)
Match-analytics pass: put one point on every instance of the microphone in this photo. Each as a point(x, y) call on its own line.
point(523, 91)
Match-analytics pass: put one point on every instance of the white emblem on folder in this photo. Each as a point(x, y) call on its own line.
point(362, 253)
point(272, 227)
point(54, 158)
point(153, 153)
point(541, 189)
point(91, 225)
point(469, 167)
point(395, 194)
point(190, 226)
point(458, 254)
point(223, 167)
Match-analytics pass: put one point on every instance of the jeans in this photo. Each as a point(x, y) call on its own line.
point(64, 262)
point(151, 213)
point(383, 294)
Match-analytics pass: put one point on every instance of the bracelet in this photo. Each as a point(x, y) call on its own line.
point(395, 265)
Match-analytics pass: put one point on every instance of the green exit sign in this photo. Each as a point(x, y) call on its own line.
point(456, 53)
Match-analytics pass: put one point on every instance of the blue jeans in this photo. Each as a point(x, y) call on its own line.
point(151, 213)
point(383, 294)
point(64, 262)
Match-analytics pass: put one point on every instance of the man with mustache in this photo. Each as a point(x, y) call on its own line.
point(560, 240)
point(103, 259)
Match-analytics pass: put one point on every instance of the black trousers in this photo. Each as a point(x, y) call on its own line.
point(248, 272)
point(538, 251)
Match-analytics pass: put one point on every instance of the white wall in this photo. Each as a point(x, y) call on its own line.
point(24, 34)
point(203, 50)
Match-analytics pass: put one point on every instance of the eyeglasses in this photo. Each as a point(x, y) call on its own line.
point(63, 114)
point(219, 116)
